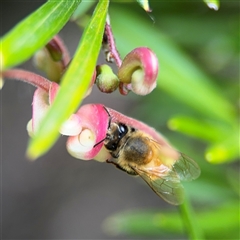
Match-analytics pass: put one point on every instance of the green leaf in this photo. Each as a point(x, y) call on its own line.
point(82, 9)
point(145, 5)
point(233, 179)
point(205, 129)
point(225, 151)
point(74, 84)
point(224, 139)
point(219, 222)
point(35, 31)
point(213, 4)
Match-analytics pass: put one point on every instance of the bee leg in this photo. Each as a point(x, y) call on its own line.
point(133, 173)
point(111, 161)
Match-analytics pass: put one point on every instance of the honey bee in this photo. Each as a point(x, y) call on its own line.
point(137, 153)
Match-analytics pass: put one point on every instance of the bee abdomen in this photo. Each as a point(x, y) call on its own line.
point(137, 150)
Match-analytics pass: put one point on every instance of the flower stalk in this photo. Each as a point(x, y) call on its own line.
point(110, 46)
point(28, 77)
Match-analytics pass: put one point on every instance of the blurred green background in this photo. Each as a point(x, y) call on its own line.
point(195, 105)
point(197, 96)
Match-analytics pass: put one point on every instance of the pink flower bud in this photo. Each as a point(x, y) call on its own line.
point(140, 68)
point(42, 100)
point(40, 107)
point(94, 119)
point(71, 127)
point(54, 49)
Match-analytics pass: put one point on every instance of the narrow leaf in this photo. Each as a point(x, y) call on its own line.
point(145, 5)
point(35, 31)
point(213, 4)
point(225, 151)
point(74, 84)
point(82, 9)
point(219, 222)
point(205, 129)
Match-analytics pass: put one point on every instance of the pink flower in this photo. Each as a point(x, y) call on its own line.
point(42, 101)
point(87, 128)
point(95, 120)
point(138, 71)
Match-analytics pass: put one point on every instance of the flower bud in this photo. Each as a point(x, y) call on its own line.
point(42, 101)
point(79, 146)
point(52, 59)
point(44, 62)
point(40, 107)
point(54, 50)
point(71, 127)
point(140, 69)
point(88, 144)
point(106, 81)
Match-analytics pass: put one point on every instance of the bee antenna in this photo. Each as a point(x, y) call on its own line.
point(99, 142)
point(110, 117)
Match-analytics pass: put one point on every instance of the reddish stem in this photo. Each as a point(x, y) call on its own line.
point(28, 77)
point(112, 45)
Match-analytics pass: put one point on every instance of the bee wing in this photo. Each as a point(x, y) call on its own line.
point(167, 186)
point(186, 168)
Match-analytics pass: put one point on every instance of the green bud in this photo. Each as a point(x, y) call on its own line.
point(106, 80)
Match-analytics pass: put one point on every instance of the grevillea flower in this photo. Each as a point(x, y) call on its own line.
point(43, 98)
point(94, 122)
point(87, 128)
point(42, 101)
point(89, 144)
point(138, 71)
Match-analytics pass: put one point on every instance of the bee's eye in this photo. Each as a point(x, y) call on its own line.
point(122, 130)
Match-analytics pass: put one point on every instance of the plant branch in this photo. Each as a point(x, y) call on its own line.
point(28, 77)
point(112, 51)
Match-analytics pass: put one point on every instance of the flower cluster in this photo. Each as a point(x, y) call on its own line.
point(87, 128)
